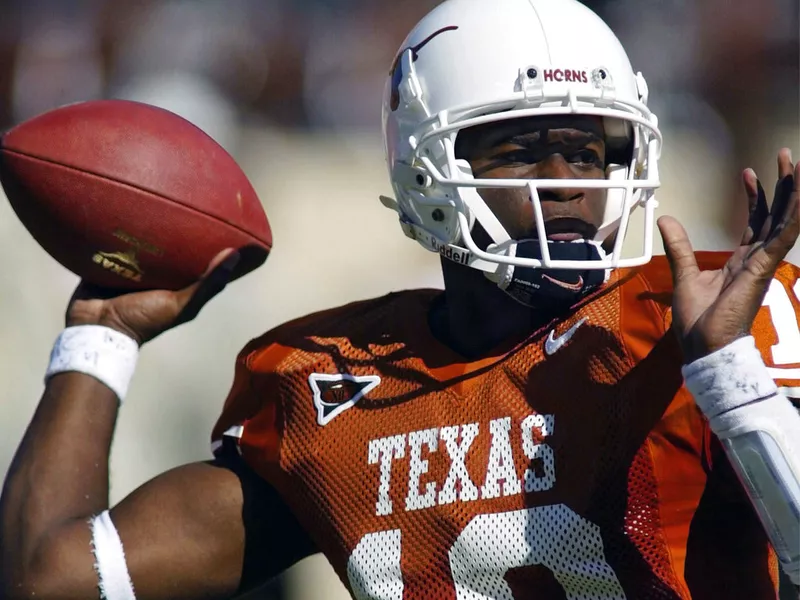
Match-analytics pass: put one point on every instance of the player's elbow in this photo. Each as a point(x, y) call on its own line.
point(46, 575)
point(28, 584)
point(19, 585)
point(15, 589)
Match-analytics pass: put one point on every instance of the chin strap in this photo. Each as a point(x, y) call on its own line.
point(457, 254)
point(535, 288)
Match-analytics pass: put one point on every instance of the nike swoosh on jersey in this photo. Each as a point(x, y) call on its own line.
point(553, 344)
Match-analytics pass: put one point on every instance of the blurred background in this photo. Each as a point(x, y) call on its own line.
point(292, 88)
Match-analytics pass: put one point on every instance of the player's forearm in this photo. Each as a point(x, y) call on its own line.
point(60, 470)
point(760, 431)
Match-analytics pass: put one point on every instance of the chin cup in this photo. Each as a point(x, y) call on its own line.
point(540, 287)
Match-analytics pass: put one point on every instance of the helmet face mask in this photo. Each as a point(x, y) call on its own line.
point(463, 67)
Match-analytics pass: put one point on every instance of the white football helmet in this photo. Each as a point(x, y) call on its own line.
point(470, 62)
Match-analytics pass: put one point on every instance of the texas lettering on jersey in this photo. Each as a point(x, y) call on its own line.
point(578, 471)
point(500, 478)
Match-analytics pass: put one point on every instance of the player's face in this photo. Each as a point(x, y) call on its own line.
point(561, 147)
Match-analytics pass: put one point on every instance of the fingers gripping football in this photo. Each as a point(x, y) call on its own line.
point(193, 298)
point(145, 315)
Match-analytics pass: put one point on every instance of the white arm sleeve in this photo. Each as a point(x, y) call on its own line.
point(760, 431)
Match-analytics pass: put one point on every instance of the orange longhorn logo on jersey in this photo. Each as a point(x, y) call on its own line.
point(334, 394)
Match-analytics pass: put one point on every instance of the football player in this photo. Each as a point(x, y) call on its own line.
point(563, 421)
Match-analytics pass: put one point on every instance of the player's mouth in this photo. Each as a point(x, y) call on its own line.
point(568, 229)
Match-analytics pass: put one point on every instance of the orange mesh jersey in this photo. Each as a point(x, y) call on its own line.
point(574, 466)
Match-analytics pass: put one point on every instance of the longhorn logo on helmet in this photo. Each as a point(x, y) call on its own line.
point(396, 72)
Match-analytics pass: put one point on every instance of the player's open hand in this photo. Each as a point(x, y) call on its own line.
point(711, 309)
point(144, 315)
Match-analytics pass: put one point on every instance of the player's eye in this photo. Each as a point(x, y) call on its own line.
point(586, 157)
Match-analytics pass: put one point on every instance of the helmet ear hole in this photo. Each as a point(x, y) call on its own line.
point(619, 141)
point(619, 152)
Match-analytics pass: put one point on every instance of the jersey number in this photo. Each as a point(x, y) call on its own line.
point(553, 536)
point(784, 320)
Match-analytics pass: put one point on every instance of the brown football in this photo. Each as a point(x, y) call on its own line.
point(127, 195)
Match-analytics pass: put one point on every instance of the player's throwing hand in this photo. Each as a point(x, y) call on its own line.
point(145, 315)
point(713, 308)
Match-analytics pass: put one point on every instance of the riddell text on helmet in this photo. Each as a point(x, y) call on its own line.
point(451, 253)
point(569, 75)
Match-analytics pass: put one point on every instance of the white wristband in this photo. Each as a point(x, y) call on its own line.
point(107, 355)
point(728, 378)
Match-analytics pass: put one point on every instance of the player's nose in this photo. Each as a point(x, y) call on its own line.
point(556, 166)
